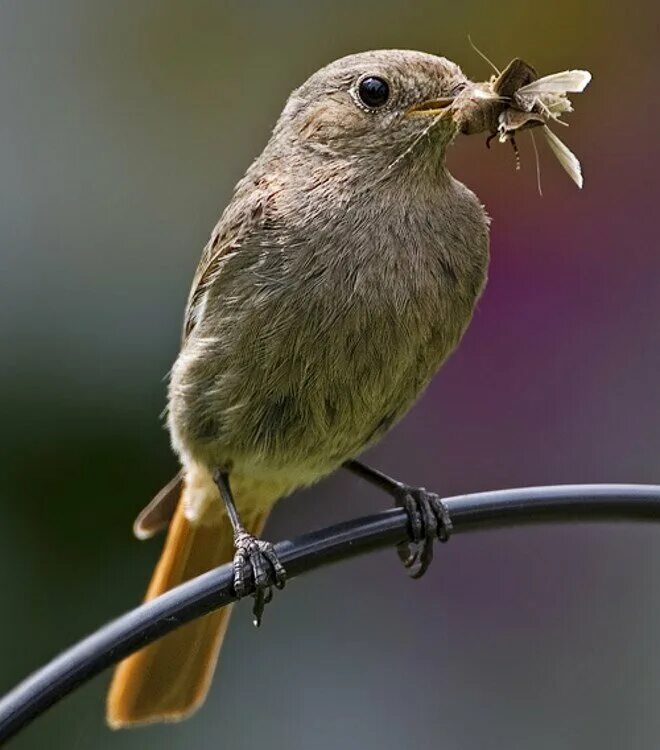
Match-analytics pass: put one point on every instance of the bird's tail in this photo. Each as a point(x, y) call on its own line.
point(169, 679)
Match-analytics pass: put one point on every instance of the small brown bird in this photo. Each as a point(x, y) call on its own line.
point(340, 277)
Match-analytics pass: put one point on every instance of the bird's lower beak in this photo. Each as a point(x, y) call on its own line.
point(431, 107)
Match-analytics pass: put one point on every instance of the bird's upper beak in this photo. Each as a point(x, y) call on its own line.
point(431, 107)
point(474, 110)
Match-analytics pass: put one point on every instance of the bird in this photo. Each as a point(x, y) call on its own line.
point(340, 277)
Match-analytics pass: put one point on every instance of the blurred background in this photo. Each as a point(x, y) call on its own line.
point(124, 127)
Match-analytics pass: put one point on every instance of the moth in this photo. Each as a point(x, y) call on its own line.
point(534, 102)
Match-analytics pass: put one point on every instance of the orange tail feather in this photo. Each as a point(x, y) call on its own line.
point(169, 679)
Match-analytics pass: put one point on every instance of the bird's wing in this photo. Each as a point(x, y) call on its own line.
point(243, 219)
point(209, 266)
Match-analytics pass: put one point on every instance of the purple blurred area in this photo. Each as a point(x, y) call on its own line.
point(124, 127)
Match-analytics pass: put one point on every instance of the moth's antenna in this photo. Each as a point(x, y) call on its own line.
point(483, 56)
point(538, 164)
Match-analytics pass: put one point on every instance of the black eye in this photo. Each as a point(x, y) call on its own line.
point(373, 92)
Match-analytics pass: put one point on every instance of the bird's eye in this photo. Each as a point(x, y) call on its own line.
point(458, 88)
point(373, 92)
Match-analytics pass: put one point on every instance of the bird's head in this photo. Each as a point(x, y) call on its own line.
point(375, 106)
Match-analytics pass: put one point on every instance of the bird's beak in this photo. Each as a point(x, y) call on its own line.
point(431, 107)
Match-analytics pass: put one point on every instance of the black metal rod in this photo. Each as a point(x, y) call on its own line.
point(214, 589)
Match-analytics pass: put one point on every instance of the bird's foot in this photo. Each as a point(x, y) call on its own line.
point(428, 519)
point(256, 560)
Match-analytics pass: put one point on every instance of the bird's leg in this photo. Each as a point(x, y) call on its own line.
point(427, 514)
point(252, 557)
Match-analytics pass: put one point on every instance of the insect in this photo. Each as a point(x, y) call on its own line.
point(532, 102)
point(541, 101)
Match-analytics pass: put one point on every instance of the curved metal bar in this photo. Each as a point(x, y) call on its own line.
point(153, 619)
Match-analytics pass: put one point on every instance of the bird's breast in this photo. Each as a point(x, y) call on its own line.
point(323, 344)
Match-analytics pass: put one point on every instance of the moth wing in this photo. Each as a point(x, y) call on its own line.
point(566, 82)
point(512, 120)
point(565, 157)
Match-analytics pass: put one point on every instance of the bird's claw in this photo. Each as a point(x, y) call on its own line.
point(257, 561)
point(428, 520)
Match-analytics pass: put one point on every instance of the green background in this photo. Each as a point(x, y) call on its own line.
point(124, 126)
